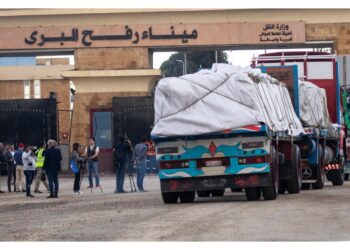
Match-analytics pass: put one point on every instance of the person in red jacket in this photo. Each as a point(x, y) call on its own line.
point(151, 157)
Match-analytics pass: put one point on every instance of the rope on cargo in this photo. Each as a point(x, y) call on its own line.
point(262, 105)
point(278, 104)
point(267, 99)
point(289, 112)
point(264, 108)
point(205, 95)
point(285, 107)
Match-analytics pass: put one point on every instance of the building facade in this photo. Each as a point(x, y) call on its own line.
point(113, 55)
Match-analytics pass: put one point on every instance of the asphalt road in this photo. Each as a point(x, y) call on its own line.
point(313, 215)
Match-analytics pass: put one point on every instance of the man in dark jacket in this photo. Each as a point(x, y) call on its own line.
point(122, 152)
point(10, 162)
point(52, 165)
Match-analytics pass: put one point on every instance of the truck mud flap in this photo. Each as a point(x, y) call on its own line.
point(214, 182)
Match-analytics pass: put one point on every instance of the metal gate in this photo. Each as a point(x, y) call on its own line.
point(28, 121)
point(133, 117)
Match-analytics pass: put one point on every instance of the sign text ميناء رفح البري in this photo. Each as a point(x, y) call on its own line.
point(155, 35)
point(87, 36)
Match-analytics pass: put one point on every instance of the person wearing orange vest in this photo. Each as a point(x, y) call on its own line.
point(151, 157)
point(40, 175)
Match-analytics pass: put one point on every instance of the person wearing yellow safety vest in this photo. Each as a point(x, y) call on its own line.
point(40, 174)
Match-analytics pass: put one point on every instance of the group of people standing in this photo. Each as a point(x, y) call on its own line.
point(25, 164)
point(126, 158)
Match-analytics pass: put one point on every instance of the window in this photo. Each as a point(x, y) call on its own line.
point(320, 70)
point(101, 129)
point(37, 89)
point(26, 89)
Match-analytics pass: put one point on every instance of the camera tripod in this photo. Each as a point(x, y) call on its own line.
point(132, 182)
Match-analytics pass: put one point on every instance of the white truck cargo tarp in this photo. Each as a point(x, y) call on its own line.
point(313, 105)
point(225, 97)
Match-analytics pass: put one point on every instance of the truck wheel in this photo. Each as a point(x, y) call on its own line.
point(236, 190)
point(187, 197)
point(271, 192)
point(170, 197)
point(346, 177)
point(203, 193)
point(282, 187)
point(336, 177)
point(217, 192)
point(319, 171)
point(294, 183)
point(305, 186)
point(320, 180)
point(253, 193)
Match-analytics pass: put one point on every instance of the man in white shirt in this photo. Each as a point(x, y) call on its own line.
point(92, 152)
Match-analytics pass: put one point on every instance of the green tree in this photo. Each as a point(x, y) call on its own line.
point(195, 61)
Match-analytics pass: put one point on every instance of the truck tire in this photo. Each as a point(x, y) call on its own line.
point(282, 187)
point(346, 177)
point(187, 197)
point(253, 193)
point(319, 171)
point(305, 186)
point(271, 192)
point(236, 190)
point(294, 183)
point(169, 198)
point(203, 193)
point(217, 192)
point(336, 177)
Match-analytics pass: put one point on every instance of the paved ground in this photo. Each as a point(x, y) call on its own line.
point(314, 215)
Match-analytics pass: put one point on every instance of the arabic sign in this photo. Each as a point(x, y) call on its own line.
point(157, 35)
point(88, 37)
point(276, 32)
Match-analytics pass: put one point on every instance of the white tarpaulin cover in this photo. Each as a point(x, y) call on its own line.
point(225, 97)
point(313, 105)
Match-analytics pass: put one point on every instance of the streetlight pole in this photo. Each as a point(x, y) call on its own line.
point(183, 66)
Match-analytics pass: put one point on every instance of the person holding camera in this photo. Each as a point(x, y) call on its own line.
point(79, 162)
point(28, 159)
